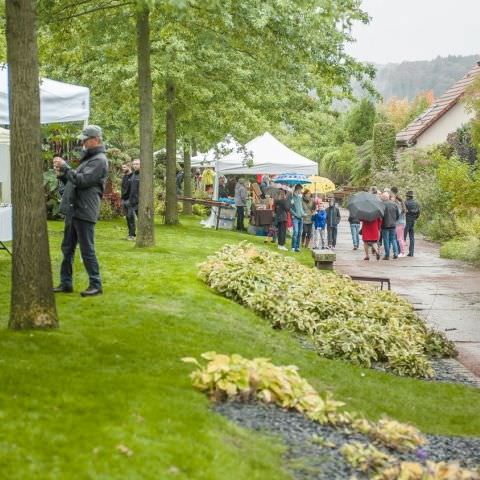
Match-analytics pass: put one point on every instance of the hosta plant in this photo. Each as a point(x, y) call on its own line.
point(345, 320)
point(225, 376)
point(365, 457)
point(429, 471)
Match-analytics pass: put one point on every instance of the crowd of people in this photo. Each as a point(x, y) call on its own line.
point(314, 224)
point(390, 230)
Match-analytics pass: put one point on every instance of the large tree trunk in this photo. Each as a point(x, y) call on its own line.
point(32, 298)
point(171, 212)
point(146, 230)
point(187, 178)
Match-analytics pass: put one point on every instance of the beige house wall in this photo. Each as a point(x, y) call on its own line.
point(448, 123)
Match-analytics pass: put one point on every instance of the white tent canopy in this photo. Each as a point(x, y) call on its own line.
point(265, 154)
point(229, 145)
point(59, 102)
point(5, 196)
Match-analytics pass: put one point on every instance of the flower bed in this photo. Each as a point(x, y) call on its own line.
point(345, 320)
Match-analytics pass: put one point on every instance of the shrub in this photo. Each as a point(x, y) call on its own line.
point(345, 320)
point(384, 145)
point(106, 210)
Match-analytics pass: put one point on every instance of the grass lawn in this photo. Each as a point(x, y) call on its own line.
point(112, 375)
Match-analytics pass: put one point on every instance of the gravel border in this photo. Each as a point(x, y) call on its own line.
point(313, 450)
point(447, 370)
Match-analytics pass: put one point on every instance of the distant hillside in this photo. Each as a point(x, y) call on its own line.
point(406, 79)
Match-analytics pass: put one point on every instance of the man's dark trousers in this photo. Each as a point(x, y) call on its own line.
point(83, 233)
point(130, 214)
point(410, 231)
point(240, 217)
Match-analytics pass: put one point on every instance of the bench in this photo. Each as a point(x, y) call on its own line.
point(380, 280)
point(324, 260)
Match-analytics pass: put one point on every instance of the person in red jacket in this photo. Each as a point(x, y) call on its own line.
point(370, 236)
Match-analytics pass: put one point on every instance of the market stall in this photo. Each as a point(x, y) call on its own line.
point(59, 103)
point(262, 155)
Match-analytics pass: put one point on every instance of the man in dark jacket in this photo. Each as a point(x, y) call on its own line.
point(333, 219)
point(81, 206)
point(390, 217)
point(133, 198)
point(125, 195)
point(411, 216)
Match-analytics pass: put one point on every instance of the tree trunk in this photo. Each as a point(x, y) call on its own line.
point(32, 298)
point(171, 212)
point(187, 178)
point(146, 230)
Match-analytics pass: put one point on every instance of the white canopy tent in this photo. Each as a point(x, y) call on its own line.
point(262, 155)
point(265, 155)
point(5, 195)
point(59, 102)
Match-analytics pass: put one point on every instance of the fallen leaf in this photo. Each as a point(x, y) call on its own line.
point(124, 450)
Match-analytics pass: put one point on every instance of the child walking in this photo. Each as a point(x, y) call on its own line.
point(319, 220)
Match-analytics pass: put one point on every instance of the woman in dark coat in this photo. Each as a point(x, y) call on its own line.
point(281, 207)
point(370, 236)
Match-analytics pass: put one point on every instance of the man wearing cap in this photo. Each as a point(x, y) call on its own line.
point(81, 206)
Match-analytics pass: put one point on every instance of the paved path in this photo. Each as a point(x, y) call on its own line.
point(445, 292)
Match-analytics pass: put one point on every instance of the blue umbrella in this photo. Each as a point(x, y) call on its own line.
point(291, 179)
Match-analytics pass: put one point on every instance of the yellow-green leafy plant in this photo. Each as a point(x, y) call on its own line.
point(224, 377)
point(344, 319)
point(397, 436)
point(429, 471)
point(366, 458)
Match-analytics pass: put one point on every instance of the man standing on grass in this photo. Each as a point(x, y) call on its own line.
point(133, 198)
point(81, 206)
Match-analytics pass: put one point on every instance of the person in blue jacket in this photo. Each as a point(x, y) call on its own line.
point(319, 219)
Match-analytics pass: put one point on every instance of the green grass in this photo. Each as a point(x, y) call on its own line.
point(112, 373)
point(466, 249)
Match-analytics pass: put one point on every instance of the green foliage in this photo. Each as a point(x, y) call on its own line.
point(362, 168)
point(52, 197)
point(472, 102)
point(462, 248)
point(338, 164)
point(359, 122)
point(344, 319)
point(383, 148)
point(462, 144)
point(366, 458)
point(106, 210)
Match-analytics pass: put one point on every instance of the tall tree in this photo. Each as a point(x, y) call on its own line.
point(32, 298)
point(171, 213)
point(187, 177)
point(146, 230)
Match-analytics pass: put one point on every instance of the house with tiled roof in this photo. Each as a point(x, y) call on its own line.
point(444, 116)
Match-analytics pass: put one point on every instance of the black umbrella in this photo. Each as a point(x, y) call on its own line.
point(365, 206)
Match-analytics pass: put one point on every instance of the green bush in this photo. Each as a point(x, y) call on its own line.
point(106, 210)
point(199, 210)
point(384, 145)
point(466, 249)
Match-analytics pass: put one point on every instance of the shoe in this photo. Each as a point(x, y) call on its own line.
point(395, 257)
point(132, 239)
point(297, 250)
point(91, 292)
point(410, 255)
point(293, 249)
point(367, 258)
point(282, 247)
point(62, 289)
point(378, 256)
point(386, 258)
